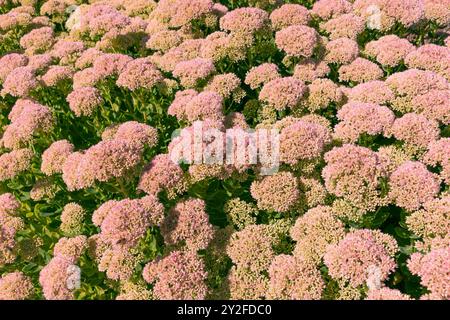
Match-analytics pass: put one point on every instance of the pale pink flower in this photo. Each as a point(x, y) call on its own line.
point(188, 222)
point(278, 192)
point(178, 106)
point(297, 41)
point(139, 73)
point(38, 40)
point(134, 290)
point(432, 221)
point(386, 293)
point(178, 13)
point(164, 40)
point(101, 162)
point(415, 130)
point(389, 50)
point(56, 75)
point(408, 12)
point(283, 93)
point(54, 156)
point(70, 249)
point(360, 70)
point(344, 26)
point(246, 20)
point(178, 276)
point(87, 58)
point(54, 277)
point(309, 70)
point(221, 45)
point(29, 119)
point(188, 50)
point(226, 85)
point(9, 62)
point(16, 286)
point(350, 259)
point(434, 271)
point(437, 10)
point(327, 9)
point(293, 278)
point(245, 284)
point(430, 57)
point(411, 185)
point(98, 19)
point(160, 174)
point(413, 82)
point(314, 231)
point(439, 153)
point(14, 163)
point(55, 7)
point(135, 132)
point(126, 221)
point(190, 72)
point(118, 264)
point(15, 19)
point(251, 248)
point(9, 204)
point(67, 51)
point(303, 141)
point(321, 93)
point(84, 101)
point(261, 74)
point(434, 105)
point(236, 120)
point(206, 105)
point(358, 118)
point(88, 77)
point(20, 82)
point(375, 91)
point(110, 64)
point(288, 15)
point(353, 173)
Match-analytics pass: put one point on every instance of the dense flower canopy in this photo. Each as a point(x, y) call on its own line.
point(218, 149)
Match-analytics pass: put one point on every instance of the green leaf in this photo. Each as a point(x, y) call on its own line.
point(402, 233)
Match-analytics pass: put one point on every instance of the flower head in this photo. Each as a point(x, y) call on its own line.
point(360, 70)
point(294, 278)
point(19, 82)
point(83, 101)
point(412, 185)
point(244, 20)
point(180, 275)
point(342, 51)
point(9, 62)
point(283, 93)
point(389, 50)
point(72, 218)
point(350, 259)
point(188, 222)
point(297, 40)
point(191, 71)
point(288, 15)
point(139, 73)
point(314, 231)
point(16, 286)
point(54, 156)
point(358, 118)
point(433, 270)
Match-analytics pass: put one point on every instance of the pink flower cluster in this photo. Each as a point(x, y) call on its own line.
point(98, 201)
point(351, 258)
